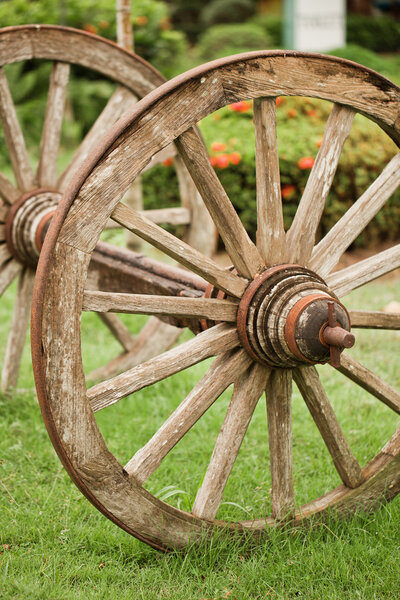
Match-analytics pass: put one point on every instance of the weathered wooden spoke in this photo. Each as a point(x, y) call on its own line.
point(279, 412)
point(374, 319)
point(4, 208)
point(346, 280)
point(240, 248)
point(314, 395)
point(121, 101)
point(4, 254)
point(47, 168)
point(14, 138)
point(19, 327)
point(140, 304)
point(8, 273)
point(270, 231)
point(119, 330)
point(370, 382)
point(164, 216)
point(220, 375)
point(247, 391)
point(301, 235)
point(210, 343)
point(155, 335)
point(7, 191)
point(285, 312)
point(329, 250)
point(180, 251)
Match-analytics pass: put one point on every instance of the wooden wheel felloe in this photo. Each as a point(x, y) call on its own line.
point(26, 207)
point(279, 312)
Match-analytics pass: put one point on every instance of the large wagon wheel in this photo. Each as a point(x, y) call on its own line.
point(25, 208)
point(275, 310)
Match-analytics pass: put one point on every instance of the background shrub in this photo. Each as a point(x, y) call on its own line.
point(381, 34)
point(223, 40)
point(227, 11)
point(272, 25)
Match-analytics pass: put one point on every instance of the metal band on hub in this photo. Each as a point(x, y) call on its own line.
point(27, 223)
point(281, 314)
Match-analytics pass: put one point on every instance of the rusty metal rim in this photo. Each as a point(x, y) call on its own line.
point(40, 231)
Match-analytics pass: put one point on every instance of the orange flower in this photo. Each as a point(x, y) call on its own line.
point(141, 20)
point(168, 162)
point(218, 147)
point(291, 113)
point(235, 158)
point(213, 161)
point(288, 191)
point(90, 28)
point(222, 161)
point(318, 143)
point(312, 113)
point(242, 106)
point(279, 100)
point(306, 162)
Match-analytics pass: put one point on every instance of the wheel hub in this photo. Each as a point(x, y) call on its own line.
point(27, 223)
point(283, 319)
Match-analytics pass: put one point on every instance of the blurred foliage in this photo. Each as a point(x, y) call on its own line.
point(227, 11)
point(155, 40)
point(223, 40)
point(193, 17)
point(272, 25)
point(381, 34)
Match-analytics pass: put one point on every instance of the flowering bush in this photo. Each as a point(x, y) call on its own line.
point(230, 141)
point(300, 133)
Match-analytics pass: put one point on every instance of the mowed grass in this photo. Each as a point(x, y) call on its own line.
point(55, 545)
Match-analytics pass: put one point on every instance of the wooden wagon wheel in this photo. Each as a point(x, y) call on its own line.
point(275, 310)
point(25, 209)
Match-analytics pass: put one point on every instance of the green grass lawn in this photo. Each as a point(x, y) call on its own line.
point(55, 545)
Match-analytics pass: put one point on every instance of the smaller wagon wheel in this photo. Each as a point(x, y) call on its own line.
point(278, 312)
point(27, 206)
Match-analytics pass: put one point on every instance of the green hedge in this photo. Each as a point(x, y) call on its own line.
point(381, 34)
point(227, 39)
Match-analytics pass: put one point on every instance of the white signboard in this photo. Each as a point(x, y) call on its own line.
point(315, 25)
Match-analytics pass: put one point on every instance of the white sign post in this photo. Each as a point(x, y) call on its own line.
point(314, 25)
